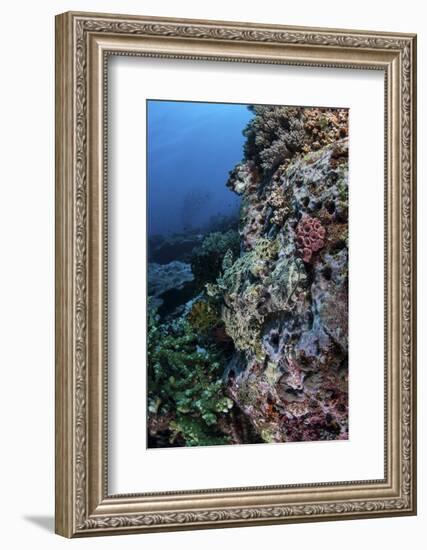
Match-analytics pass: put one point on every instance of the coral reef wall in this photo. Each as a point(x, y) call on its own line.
point(248, 318)
point(284, 297)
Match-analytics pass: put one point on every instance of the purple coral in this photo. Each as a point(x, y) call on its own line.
point(310, 237)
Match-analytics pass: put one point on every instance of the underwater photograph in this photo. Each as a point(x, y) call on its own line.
point(247, 270)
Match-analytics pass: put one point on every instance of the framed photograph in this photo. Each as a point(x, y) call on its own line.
point(235, 274)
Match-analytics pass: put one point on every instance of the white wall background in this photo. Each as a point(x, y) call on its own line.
point(27, 274)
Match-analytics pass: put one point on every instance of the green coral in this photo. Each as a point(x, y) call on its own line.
point(193, 433)
point(184, 382)
point(206, 260)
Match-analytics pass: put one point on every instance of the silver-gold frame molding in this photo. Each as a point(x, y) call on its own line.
point(83, 43)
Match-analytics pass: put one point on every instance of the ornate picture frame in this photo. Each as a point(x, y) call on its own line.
point(84, 42)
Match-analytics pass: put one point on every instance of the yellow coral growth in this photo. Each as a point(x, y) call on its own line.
point(203, 317)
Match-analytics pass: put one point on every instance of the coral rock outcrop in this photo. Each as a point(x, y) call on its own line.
point(284, 298)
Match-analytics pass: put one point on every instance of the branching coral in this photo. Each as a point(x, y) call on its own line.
point(277, 133)
point(185, 385)
point(274, 135)
point(310, 237)
point(324, 126)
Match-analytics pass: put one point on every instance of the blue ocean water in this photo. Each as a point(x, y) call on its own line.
point(191, 148)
